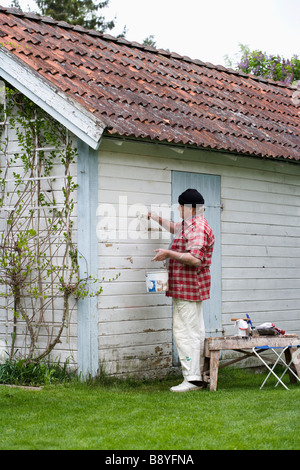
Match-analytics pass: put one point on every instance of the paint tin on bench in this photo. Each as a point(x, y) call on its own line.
point(157, 281)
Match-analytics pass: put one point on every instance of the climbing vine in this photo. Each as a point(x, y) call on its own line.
point(39, 272)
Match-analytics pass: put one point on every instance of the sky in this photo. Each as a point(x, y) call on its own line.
point(206, 30)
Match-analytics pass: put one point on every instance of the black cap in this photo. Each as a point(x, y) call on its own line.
point(190, 197)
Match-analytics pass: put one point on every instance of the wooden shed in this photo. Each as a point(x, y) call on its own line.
point(148, 124)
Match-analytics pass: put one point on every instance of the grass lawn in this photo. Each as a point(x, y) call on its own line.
point(146, 416)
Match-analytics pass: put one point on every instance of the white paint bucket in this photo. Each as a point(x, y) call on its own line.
point(243, 327)
point(157, 281)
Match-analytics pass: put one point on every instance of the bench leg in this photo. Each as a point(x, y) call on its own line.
point(296, 360)
point(295, 366)
point(205, 373)
point(288, 357)
point(214, 369)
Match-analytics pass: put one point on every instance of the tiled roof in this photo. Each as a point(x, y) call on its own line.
point(138, 91)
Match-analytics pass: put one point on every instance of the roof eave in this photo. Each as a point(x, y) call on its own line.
point(181, 147)
point(57, 104)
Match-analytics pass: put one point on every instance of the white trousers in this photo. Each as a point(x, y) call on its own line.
point(189, 335)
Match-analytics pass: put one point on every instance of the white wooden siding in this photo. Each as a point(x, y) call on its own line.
point(260, 227)
point(135, 328)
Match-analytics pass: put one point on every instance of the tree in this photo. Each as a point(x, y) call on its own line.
point(266, 65)
point(150, 41)
point(77, 12)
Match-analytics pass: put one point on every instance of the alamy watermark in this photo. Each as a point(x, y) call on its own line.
point(124, 221)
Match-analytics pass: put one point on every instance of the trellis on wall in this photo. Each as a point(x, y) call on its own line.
point(39, 272)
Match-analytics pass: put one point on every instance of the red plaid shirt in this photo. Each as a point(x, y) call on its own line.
point(193, 236)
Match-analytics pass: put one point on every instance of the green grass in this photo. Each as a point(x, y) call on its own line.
point(146, 416)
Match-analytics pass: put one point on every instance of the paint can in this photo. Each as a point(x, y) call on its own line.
point(243, 327)
point(157, 281)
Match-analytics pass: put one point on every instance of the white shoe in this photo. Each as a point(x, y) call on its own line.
point(185, 386)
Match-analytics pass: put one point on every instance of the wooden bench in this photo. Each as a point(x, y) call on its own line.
point(213, 347)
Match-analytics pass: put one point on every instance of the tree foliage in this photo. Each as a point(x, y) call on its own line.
point(85, 13)
point(270, 66)
point(150, 41)
point(80, 12)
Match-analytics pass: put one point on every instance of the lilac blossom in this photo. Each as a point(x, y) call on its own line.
point(270, 66)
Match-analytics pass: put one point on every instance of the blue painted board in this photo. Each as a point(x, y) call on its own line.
point(87, 323)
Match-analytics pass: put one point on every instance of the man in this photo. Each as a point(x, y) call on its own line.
point(189, 260)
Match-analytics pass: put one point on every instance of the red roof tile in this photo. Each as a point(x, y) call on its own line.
point(140, 92)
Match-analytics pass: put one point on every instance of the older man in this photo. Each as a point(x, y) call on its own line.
point(189, 260)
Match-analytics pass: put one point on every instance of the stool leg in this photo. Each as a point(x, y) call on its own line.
point(270, 369)
point(214, 368)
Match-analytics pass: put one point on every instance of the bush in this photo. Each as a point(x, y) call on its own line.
point(270, 66)
point(34, 373)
